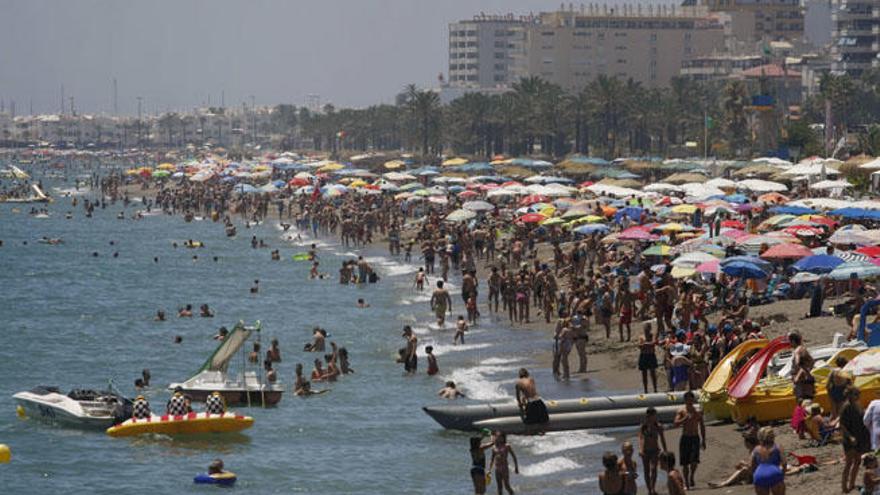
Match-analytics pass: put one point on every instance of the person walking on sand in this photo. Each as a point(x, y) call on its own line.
point(855, 438)
point(499, 461)
point(651, 439)
point(693, 438)
point(648, 357)
point(441, 303)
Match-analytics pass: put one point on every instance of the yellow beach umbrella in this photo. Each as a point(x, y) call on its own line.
point(393, 164)
point(553, 221)
point(684, 209)
point(452, 162)
point(548, 211)
point(331, 167)
point(166, 166)
point(358, 183)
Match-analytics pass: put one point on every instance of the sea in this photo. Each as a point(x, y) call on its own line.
point(75, 320)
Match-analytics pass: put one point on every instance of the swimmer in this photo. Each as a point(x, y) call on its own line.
point(160, 315)
point(185, 312)
point(216, 259)
point(461, 326)
point(205, 311)
point(216, 468)
point(178, 339)
point(449, 391)
point(276, 256)
point(362, 304)
point(155, 259)
point(313, 273)
point(145, 376)
point(195, 258)
point(222, 333)
point(116, 254)
point(256, 287)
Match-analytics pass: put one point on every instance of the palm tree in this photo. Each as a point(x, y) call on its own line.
point(735, 120)
point(424, 107)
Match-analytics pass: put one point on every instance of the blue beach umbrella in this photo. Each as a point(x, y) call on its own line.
point(792, 210)
point(861, 269)
point(591, 228)
point(754, 260)
point(743, 269)
point(818, 263)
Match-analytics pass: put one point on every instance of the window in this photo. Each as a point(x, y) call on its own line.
point(548, 33)
point(471, 44)
point(620, 35)
point(500, 33)
point(499, 55)
point(653, 37)
point(620, 47)
point(500, 44)
point(472, 78)
point(601, 36)
point(500, 67)
point(499, 78)
point(621, 61)
point(472, 66)
point(471, 33)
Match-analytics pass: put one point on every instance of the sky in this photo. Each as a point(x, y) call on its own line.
point(176, 54)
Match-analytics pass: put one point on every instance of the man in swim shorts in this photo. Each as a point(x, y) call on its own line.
point(693, 438)
point(532, 408)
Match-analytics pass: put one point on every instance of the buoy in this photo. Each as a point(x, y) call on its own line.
point(19, 411)
point(5, 454)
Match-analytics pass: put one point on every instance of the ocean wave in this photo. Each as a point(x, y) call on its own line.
point(556, 442)
point(579, 481)
point(550, 466)
point(475, 383)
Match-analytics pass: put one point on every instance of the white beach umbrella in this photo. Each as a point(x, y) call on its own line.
point(460, 215)
point(831, 184)
point(758, 185)
point(720, 182)
point(661, 187)
point(872, 165)
point(478, 206)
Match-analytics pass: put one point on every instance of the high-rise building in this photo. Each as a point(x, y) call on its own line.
point(762, 20)
point(855, 40)
point(481, 50)
point(646, 43)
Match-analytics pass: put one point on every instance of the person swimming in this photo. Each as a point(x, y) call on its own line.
point(449, 391)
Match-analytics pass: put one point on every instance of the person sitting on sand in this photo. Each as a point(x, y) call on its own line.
point(185, 312)
point(742, 474)
point(449, 391)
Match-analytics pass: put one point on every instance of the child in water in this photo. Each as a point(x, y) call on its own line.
point(433, 368)
point(419, 283)
point(461, 327)
point(472, 312)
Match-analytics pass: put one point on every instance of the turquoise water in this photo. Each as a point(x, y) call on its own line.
point(73, 320)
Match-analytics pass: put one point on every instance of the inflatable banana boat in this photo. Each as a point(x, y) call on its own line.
point(190, 424)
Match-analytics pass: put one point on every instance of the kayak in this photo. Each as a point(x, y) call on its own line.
point(226, 479)
point(190, 424)
point(465, 418)
point(714, 392)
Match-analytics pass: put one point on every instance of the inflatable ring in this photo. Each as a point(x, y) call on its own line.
point(226, 478)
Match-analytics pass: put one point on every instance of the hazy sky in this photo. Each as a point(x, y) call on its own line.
point(175, 53)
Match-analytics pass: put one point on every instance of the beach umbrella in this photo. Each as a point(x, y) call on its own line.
point(411, 186)
point(693, 259)
point(734, 224)
point(861, 269)
point(553, 221)
point(792, 210)
point(161, 173)
point(166, 166)
point(754, 260)
point(661, 187)
point(468, 194)
point(805, 277)
point(682, 271)
point(831, 184)
point(803, 230)
point(389, 187)
point(787, 250)
point(776, 221)
point(684, 209)
point(586, 219)
point(818, 263)
point(709, 267)
point(743, 269)
point(590, 228)
point(721, 183)
point(438, 200)
point(478, 206)
point(671, 227)
point(871, 251)
point(245, 189)
point(460, 215)
point(773, 198)
point(636, 234)
point(331, 167)
point(657, 250)
point(452, 162)
point(851, 236)
point(532, 198)
point(531, 218)
point(757, 185)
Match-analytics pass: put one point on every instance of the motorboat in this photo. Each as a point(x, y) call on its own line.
point(79, 408)
point(245, 388)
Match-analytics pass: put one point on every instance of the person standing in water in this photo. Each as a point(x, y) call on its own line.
point(441, 303)
point(478, 464)
point(532, 408)
point(410, 359)
point(500, 463)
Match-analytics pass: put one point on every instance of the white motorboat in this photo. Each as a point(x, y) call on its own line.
point(80, 408)
point(245, 388)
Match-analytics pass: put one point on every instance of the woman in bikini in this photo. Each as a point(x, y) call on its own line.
point(499, 462)
point(478, 464)
point(651, 439)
